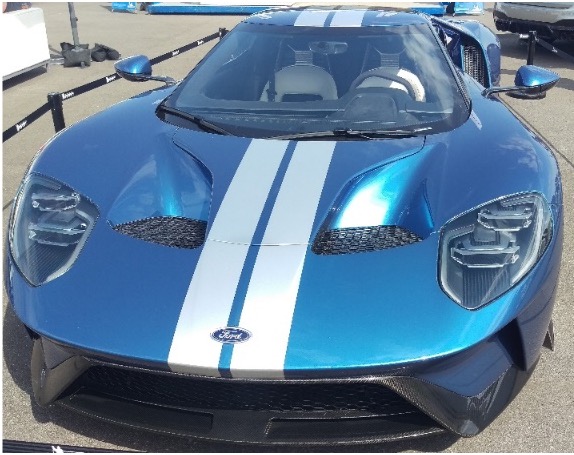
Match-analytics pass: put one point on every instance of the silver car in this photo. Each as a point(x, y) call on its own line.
point(551, 20)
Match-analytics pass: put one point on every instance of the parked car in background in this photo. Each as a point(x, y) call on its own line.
point(551, 20)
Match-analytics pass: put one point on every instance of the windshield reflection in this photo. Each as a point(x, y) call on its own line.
point(283, 80)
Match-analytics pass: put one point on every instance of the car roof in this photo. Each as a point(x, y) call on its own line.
point(336, 17)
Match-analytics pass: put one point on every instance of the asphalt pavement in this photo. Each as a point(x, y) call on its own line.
point(540, 419)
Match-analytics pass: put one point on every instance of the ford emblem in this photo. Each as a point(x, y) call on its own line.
point(231, 335)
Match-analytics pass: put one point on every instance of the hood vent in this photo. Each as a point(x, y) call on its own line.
point(176, 232)
point(362, 239)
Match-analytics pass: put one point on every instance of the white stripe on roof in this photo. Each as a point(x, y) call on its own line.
point(348, 18)
point(312, 19)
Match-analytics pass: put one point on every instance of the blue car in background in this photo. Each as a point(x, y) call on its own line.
point(331, 231)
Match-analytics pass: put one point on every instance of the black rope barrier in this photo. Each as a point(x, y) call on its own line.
point(183, 49)
point(55, 100)
point(554, 50)
point(13, 130)
point(534, 39)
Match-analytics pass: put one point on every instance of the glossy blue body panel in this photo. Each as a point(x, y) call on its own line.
point(167, 184)
point(358, 312)
point(350, 160)
point(377, 198)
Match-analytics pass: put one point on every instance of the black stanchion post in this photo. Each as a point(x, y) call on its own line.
point(531, 47)
point(222, 32)
point(57, 108)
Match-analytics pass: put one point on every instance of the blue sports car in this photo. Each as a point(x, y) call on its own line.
point(331, 231)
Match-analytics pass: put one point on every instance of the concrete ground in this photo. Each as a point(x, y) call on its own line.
point(540, 419)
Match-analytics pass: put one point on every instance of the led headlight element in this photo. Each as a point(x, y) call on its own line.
point(50, 226)
point(486, 251)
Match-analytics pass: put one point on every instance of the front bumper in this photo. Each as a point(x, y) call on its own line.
point(462, 393)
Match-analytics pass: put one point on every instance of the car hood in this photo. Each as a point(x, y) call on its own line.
point(304, 312)
point(288, 185)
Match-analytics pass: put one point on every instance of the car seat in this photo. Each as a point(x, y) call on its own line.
point(382, 68)
point(299, 79)
point(302, 83)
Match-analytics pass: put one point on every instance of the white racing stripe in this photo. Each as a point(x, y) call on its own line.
point(312, 18)
point(210, 295)
point(272, 291)
point(347, 18)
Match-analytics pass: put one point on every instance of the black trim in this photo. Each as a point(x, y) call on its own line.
point(368, 428)
point(173, 231)
point(362, 239)
point(255, 426)
point(402, 403)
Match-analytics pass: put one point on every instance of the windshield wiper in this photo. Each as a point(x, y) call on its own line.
point(355, 134)
point(202, 123)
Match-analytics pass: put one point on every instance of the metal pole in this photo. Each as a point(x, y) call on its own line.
point(57, 108)
point(74, 24)
point(531, 47)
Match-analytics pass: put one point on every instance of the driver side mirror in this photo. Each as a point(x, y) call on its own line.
point(530, 81)
point(138, 69)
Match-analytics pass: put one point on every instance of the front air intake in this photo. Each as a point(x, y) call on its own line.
point(362, 239)
point(176, 232)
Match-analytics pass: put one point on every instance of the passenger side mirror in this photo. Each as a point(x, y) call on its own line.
point(530, 81)
point(535, 79)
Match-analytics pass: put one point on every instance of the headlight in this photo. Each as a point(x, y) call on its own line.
point(50, 226)
point(486, 251)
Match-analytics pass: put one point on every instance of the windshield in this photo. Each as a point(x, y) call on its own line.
point(267, 81)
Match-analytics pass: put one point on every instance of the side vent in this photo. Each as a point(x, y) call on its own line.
point(474, 64)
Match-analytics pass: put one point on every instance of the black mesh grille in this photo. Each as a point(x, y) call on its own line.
point(474, 64)
point(362, 239)
point(170, 231)
point(172, 390)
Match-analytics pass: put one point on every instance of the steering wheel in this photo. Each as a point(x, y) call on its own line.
point(387, 74)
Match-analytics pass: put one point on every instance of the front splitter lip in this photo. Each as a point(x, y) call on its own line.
point(261, 425)
point(55, 370)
